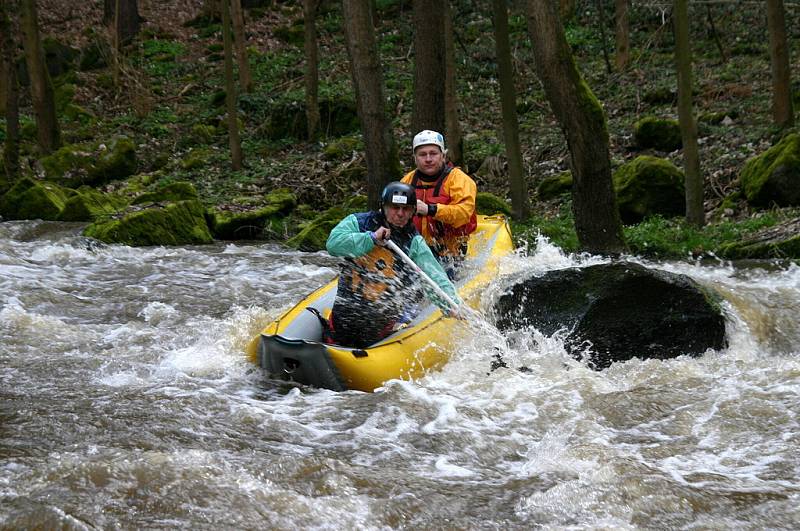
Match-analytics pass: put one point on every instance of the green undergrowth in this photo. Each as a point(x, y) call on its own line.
point(655, 237)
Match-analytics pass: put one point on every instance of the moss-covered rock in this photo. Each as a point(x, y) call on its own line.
point(176, 191)
point(663, 134)
point(229, 225)
point(342, 148)
point(203, 133)
point(196, 158)
point(647, 186)
point(179, 223)
point(554, 185)
point(314, 233)
point(92, 164)
point(32, 199)
point(774, 176)
point(489, 204)
point(88, 204)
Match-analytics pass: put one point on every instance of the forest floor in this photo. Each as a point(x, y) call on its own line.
point(172, 78)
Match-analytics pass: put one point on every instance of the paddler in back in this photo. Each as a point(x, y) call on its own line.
point(376, 288)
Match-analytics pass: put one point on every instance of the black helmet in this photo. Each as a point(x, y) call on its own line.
point(397, 193)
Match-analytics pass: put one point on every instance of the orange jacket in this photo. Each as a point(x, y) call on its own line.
point(457, 212)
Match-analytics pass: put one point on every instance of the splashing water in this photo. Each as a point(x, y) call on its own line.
point(127, 402)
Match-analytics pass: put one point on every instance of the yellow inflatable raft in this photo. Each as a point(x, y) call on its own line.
point(290, 348)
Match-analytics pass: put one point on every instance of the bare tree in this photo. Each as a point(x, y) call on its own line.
point(583, 123)
point(782, 112)
point(312, 67)
point(240, 41)
point(230, 90)
point(695, 213)
point(123, 17)
point(508, 98)
point(44, 107)
point(622, 34)
point(455, 140)
point(429, 66)
point(381, 153)
point(8, 74)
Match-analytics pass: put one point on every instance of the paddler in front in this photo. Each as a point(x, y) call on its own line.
point(376, 288)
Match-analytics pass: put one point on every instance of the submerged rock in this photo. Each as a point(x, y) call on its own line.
point(615, 312)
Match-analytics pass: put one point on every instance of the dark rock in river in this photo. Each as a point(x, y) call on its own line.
point(615, 312)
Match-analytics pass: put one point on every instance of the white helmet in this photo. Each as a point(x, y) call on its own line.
point(428, 137)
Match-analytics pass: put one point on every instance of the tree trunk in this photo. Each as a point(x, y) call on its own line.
point(508, 98)
point(312, 68)
point(429, 66)
point(455, 140)
point(380, 151)
point(623, 55)
point(695, 214)
point(8, 74)
point(583, 123)
point(240, 40)
point(127, 20)
point(782, 112)
point(230, 90)
point(44, 107)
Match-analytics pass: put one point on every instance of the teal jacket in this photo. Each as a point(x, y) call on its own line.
point(351, 239)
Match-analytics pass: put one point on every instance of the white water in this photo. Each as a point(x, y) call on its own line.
point(127, 402)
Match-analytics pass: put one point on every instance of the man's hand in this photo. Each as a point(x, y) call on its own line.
point(422, 207)
point(381, 236)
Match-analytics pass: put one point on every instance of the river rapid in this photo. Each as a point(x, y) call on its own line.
point(126, 402)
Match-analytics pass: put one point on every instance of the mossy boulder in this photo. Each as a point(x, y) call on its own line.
point(554, 186)
point(314, 233)
point(203, 133)
point(33, 199)
point(489, 204)
point(663, 134)
point(176, 191)
point(178, 223)
point(649, 185)
point(89, 204)
point(774, 176)
point(232, 225)
point(196, 158)
point(91, 164)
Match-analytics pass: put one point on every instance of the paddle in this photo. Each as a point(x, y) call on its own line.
point(456, 308)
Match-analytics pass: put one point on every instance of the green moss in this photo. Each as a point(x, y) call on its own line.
point(92, 164)
point(647, 186)
point(203, 134)
point(196, 158)
point(32, 199)
point(554, 186)
point(774, 176)
point(179, 223)
point(228, 225)
point(88, 204)
point(657, 133)
point(174, 191)
point(314, 234)
point(490, 204)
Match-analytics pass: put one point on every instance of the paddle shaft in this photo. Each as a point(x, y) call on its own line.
point(439, 291)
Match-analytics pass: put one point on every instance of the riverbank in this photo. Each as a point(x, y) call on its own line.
point(168, 103)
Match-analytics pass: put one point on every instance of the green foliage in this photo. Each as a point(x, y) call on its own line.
point(558, 228)
point(675, 238)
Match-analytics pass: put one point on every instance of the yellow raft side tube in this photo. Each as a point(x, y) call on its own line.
point(411, 352)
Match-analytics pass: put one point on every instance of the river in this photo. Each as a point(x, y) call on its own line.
point(126, 402)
